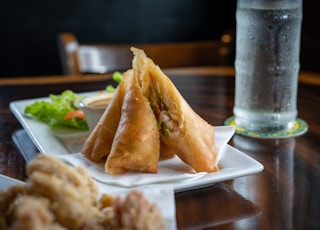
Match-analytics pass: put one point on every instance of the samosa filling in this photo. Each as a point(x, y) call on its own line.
point(166, 124)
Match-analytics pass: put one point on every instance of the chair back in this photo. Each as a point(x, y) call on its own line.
point(78, 58)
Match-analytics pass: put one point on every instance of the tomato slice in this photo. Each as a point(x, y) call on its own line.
point(74, 114)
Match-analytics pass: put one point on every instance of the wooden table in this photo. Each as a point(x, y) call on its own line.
point(284, 196)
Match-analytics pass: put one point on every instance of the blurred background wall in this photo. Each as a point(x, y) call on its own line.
point(29, 28)
point(28, 36)
point(310, 37)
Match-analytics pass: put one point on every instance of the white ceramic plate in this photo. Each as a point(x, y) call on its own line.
point(55, 142)
point(232, 162)
point(6, 182)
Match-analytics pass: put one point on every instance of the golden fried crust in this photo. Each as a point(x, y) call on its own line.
point(187, 134)
point(99, 143)
point(165, 151)
point(71, 191)
point(7, 198)
point(59, 196)
point(136, 143)
point(135, 212)
point(33, 213)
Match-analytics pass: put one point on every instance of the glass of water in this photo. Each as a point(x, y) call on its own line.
point(267, 64)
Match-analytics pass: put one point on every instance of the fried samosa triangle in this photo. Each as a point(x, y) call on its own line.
point(99, 142)
point(136, 145)
point(180, 127)
point(147, 120)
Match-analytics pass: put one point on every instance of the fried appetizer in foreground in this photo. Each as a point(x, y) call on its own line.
point(133, 217)
point(58, 196)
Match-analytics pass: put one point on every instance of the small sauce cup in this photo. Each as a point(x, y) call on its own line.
point(94, 106)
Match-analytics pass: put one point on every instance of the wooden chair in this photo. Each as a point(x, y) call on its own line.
point(79, 58)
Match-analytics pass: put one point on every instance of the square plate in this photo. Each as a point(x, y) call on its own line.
point(232, 162)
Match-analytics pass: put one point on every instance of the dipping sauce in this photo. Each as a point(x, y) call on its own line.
point(100, 102)
point(94, 106)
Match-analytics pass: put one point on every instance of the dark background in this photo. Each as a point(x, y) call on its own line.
point(29, 29)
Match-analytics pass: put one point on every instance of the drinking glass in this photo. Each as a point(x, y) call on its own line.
point(267, 64)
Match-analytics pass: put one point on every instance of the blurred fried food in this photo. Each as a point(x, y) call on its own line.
point(59, 196)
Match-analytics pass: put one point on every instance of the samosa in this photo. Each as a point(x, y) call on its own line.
point(180, 127)
point(99, 142)
point(136, 145)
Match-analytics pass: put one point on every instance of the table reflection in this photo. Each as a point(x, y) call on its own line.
point(277, 190)
point(233, 207)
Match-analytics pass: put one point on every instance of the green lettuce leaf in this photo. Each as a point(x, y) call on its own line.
point(52, 112)
point(117, 77)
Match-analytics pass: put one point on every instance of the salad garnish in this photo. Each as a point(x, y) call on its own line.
point(61, 111)
point(117, 77)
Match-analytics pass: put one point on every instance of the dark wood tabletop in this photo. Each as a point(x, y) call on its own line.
point(285, 195)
